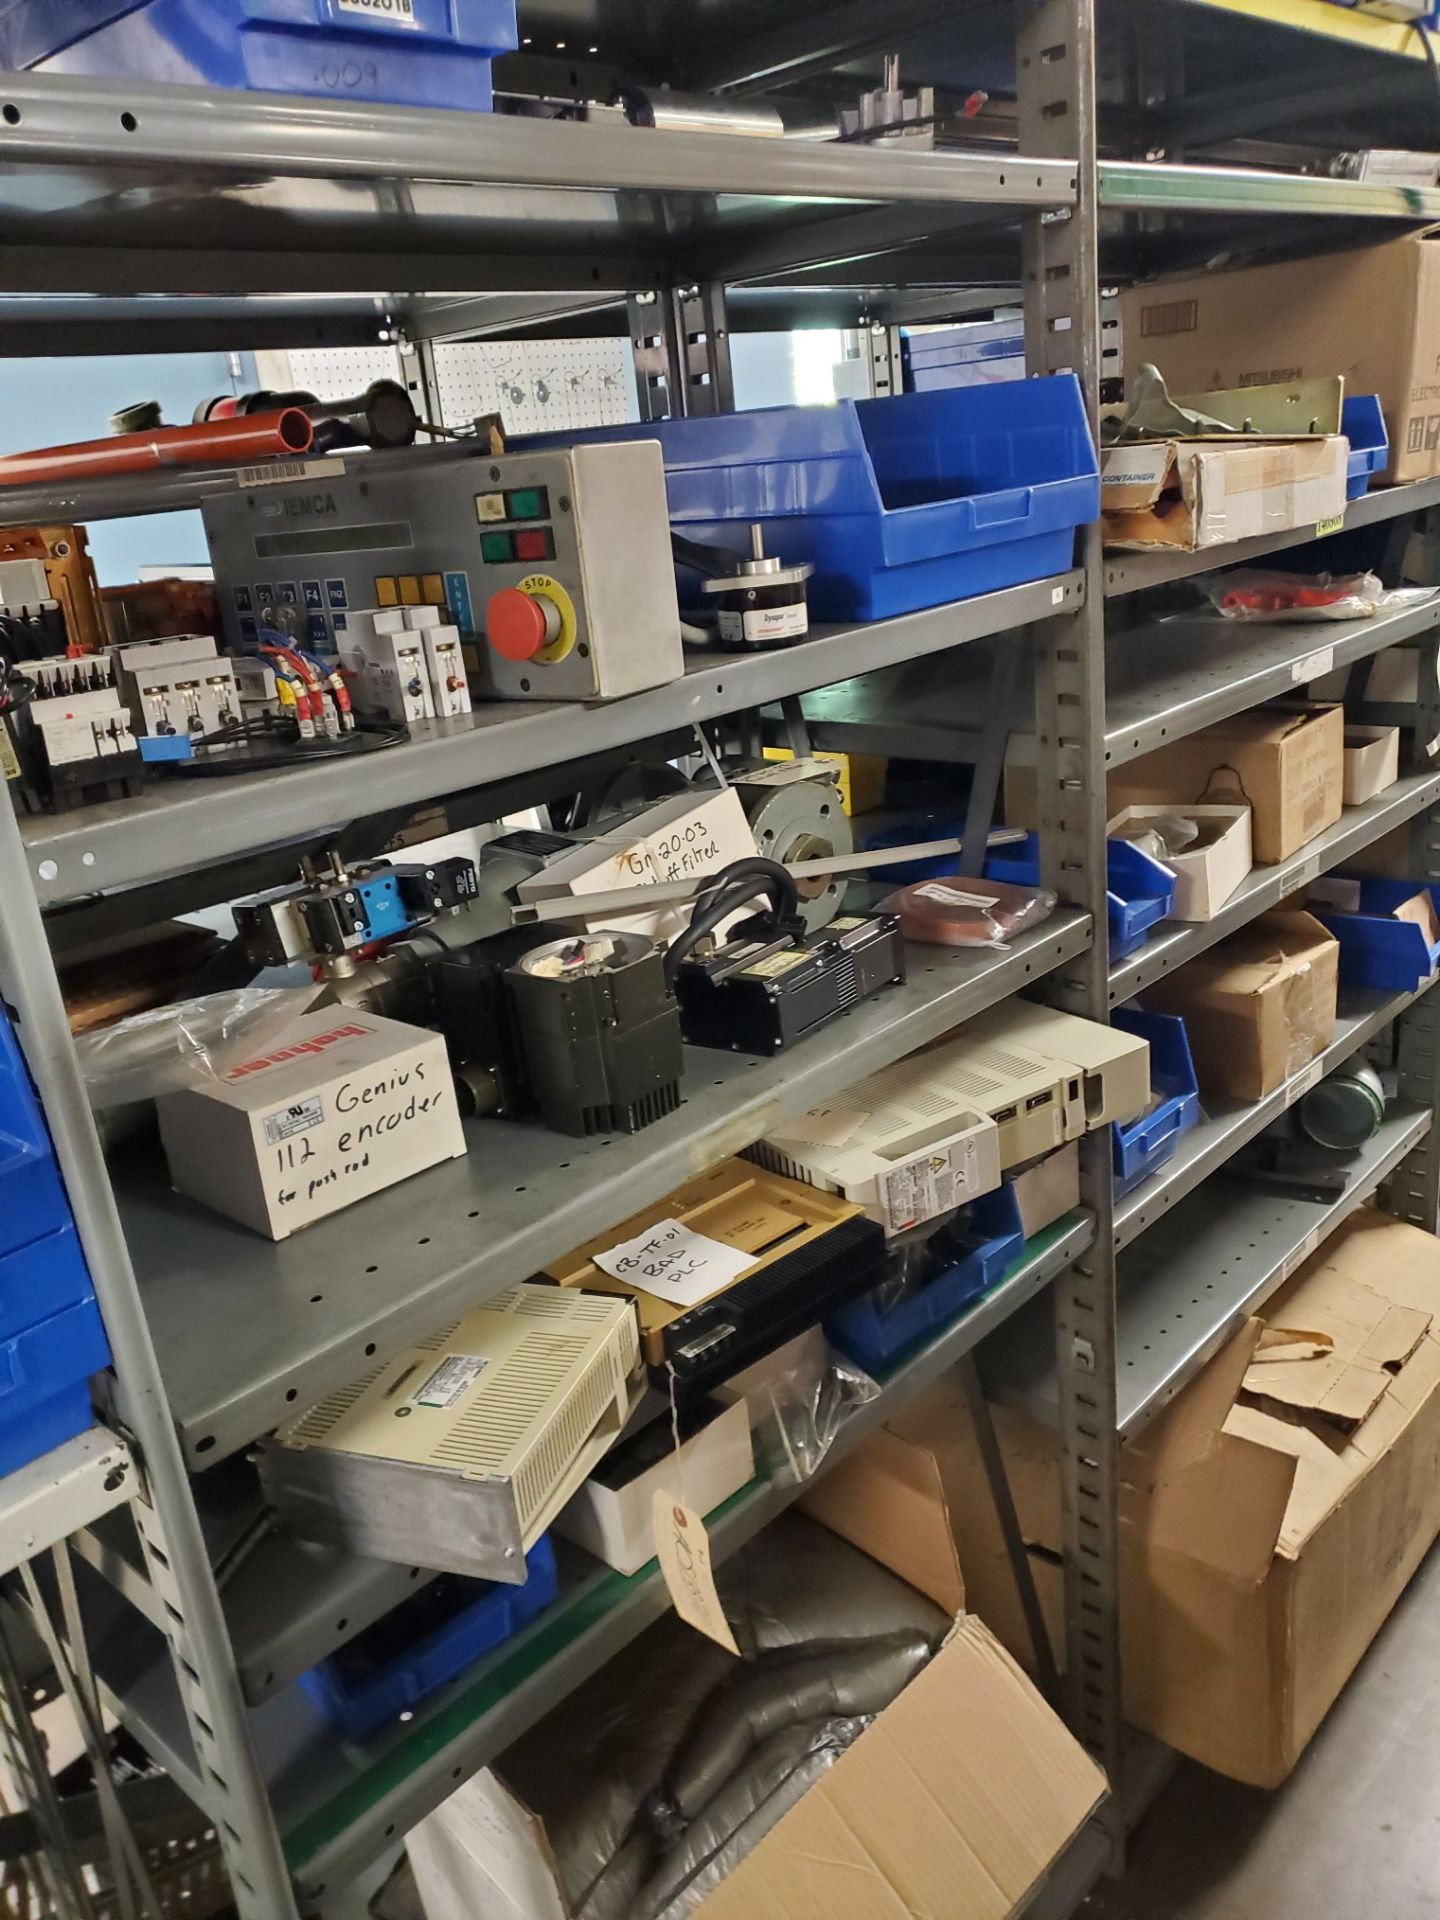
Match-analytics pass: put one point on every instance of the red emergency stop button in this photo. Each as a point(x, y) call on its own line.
point(519, 624)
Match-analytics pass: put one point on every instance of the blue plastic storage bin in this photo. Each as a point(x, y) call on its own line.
point(1363, 424)
point(979, 355)
point(1139, 891)
point(41, 1279)
point(32, 1200)
point(874, 1339)
point(912, 833)
point(44, 1370)
point(1375, 949)
point(899, 504)
point(1147, 1143)
point(421, 53)
point(368, 1683)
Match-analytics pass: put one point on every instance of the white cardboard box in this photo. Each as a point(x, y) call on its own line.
point(1372, 762)
point(338, 1106)
point(1207, 873)
point(678, 839)
point(612, 1516)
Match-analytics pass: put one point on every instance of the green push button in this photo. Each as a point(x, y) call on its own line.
point(496, 547)
point(529, 503)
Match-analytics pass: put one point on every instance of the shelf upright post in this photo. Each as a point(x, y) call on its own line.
point(680, 337)
point(1055, 82)
point(1413, 1192)
point(165, 1512)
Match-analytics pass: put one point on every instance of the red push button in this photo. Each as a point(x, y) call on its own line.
point(520, 624)
point(535, 544)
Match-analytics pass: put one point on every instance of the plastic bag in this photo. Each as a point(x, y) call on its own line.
point(1257, 593)
point(164, 1048)
point(956, 912)
point(1162, 836)
point(799, 1398)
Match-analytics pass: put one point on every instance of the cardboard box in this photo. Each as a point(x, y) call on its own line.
point(1286, 763)
point(1308, 319)
point(1372, 762)
point(1274, 1513)
point(678, 839)
point(338, 1106)
point(956, 1800)
point(612, 1515)
point(1258, 1007)
point(1210, 868)
point(1194, 494)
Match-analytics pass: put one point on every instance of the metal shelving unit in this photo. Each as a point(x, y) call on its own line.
point(290, 221)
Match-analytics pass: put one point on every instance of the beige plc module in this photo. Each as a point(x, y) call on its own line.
point(459, 1452)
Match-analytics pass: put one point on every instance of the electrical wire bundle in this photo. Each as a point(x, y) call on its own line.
point(725, 893)
point(317, 720)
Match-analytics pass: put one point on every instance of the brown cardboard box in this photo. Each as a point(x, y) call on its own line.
point(1287, 763)
point(956, 1800)
point(1271, 1515)
point(1258, 1007)
point(1191, 494)
point(1372, 315)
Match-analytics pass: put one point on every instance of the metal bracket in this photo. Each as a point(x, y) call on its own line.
point(680, 338)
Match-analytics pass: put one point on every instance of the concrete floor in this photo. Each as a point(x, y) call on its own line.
point(1353, 1834)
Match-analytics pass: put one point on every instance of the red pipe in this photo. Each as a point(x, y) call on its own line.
point(215, 443)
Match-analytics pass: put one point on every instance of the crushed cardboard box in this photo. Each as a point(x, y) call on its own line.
point(1196, 493)
point(1270, 1516)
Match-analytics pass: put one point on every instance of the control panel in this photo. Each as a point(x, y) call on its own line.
point(554, 564)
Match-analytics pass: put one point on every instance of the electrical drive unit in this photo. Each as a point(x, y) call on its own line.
point(458, 1453)
point(906, 1144)
point(87, 749)
point(758, 995)
point(1043, 1077)
point(556, 561)
point(600, 1032)
point(778, 1256)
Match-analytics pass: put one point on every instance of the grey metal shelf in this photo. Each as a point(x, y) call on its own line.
point(68, 1488)
point(340, 1804)
point(245, 1327)
point(1190, 1283)
point(175, 828)
point(1152, 185)
point(1171, 677)
point(1133, 572)
point(1228, 1124)
point(1357, 828)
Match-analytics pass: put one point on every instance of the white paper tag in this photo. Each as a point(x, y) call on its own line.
point(451, 1378)
point(277, 472)
point(1303, 1082)
point(395, 13)
point(682, 1546)
point(1312, 666)
point(1057, 596)
point(1299, 876)
point(954, 896)
point(784, 773)
point(928, 1185)
point(675, 1264)
point(286, 1122)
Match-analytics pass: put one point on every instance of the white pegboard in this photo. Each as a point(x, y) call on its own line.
point(537, 386)
point(332, 373)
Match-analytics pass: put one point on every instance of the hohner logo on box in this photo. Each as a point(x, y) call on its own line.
point(339, 1106)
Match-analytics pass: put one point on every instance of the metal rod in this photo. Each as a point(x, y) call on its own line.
point(585, 906)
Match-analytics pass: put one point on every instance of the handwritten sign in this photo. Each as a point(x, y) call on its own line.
point(682, 1547)
point(674, 1263)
